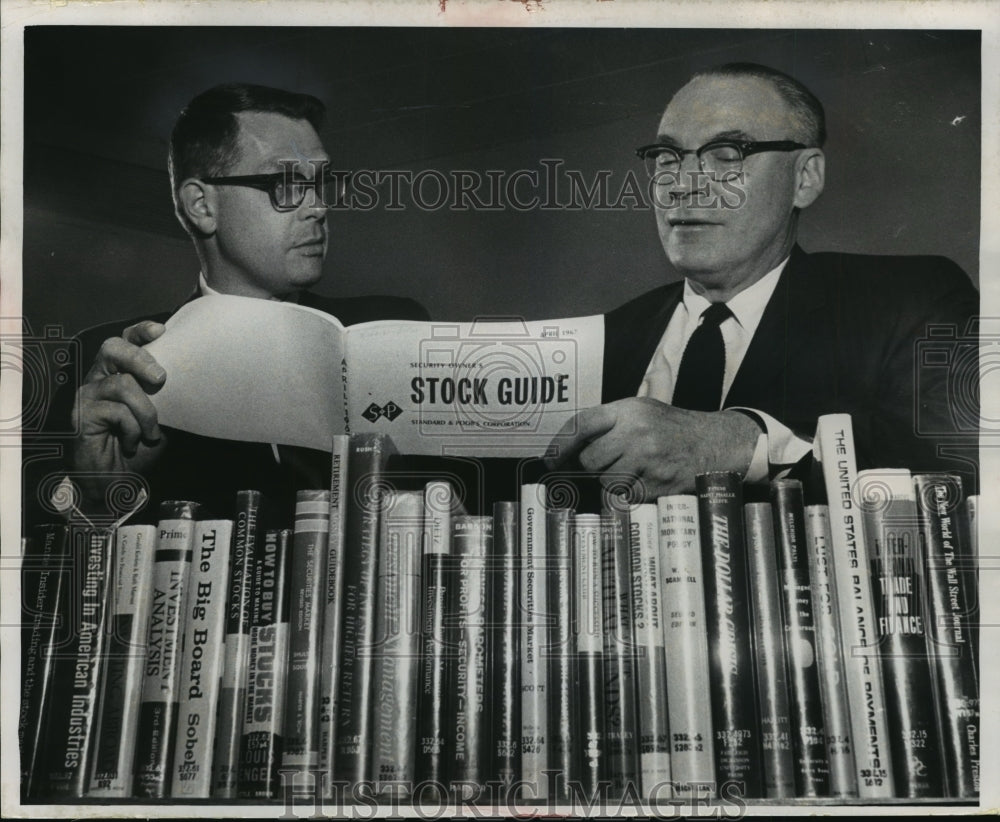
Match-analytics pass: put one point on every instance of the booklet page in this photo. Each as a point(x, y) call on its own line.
point(483, 388)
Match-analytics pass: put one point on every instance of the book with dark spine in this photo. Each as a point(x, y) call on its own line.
point(369, 456)
point(333, 584)
point(727, 600)
point(621, 766)
point(769, 643)
point(397, 644)
point(300, 745)
point(534, 629)
point(949, 642)
point(201, 668)
point(121, 681)
point(833, 449)
point(155, 746)
point(685, 636)
point(467, 623)
point(651, 669)
point(829, 654)
point(588, 621)
point(563, 725)
point(45, 583)
point(892, 533)
point(503, 575)
point(267, 668)
point(435, 654)
point(812, 771)
point(70, 733)
point(232, 691)
point(971, 509)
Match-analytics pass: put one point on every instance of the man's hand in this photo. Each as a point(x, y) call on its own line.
point(118, 426)
point(656, 447)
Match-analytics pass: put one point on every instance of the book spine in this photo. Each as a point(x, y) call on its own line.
point(769, 642)
point(201, 668)
point(588, 620)
point(949, 642)
point(563, 725)
point(812, 772)
point(829, 654)
point(727, 600)
point(366, 468)
point(44, 611)
point(972, 509)
point(432, 730)
point(834, 448)
point(232, 691)
point(621, 768)
point(472, 544)
point(505, 655)
point(121, 688)
point(161, 684)
point(70, 736)
point(332, 614)
point(267, 666)
point(685, 636)
point(892, 533)
point(397, 636)
point(300, 751)
point(651, 680)
point(534, 662)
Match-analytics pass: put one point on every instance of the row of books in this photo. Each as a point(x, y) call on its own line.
point(393, 646)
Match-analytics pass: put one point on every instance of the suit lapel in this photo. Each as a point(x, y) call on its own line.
point(781, 325)
point(630, 340)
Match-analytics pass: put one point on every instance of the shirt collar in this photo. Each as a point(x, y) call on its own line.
point(747, 306)
point(205, 290)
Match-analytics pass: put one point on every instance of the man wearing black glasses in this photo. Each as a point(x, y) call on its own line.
point(730, 368)
point(252, 185)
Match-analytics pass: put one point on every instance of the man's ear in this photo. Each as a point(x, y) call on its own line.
point(196, 203)
point(811, 176)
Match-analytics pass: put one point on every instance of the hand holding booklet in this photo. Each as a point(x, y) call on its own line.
point(263, 371)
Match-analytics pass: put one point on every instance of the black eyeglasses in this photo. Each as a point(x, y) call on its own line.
point(288, 190)
point(716, 157)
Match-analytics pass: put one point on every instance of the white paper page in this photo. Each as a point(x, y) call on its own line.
point(487, 388)
point(248, 369)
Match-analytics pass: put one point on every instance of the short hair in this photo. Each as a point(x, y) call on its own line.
point(806, 107)
point(204, 142)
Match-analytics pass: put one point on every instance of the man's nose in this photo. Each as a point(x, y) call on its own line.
point(687, 181)
point(312, 204)
point(690, 176)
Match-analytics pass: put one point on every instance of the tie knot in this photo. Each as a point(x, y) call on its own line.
point(716, 314)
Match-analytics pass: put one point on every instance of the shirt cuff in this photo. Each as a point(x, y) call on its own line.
point(778, 447)
point(759, 469)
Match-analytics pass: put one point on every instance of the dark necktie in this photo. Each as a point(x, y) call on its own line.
point(703, 365)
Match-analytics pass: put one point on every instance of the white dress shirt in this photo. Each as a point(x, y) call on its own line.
point(205, 290)
point(777, 444)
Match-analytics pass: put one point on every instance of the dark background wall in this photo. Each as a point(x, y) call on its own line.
point(101, 242)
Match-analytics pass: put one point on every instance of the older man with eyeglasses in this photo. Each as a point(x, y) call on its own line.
point(252, 186)
point(730, 368)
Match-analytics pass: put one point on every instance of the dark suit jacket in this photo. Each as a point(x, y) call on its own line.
point(207, 470)
point(884, 339)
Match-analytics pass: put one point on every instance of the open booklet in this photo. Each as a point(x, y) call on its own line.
point(264, 371)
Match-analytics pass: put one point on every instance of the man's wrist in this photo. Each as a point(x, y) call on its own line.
point(750, 439)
